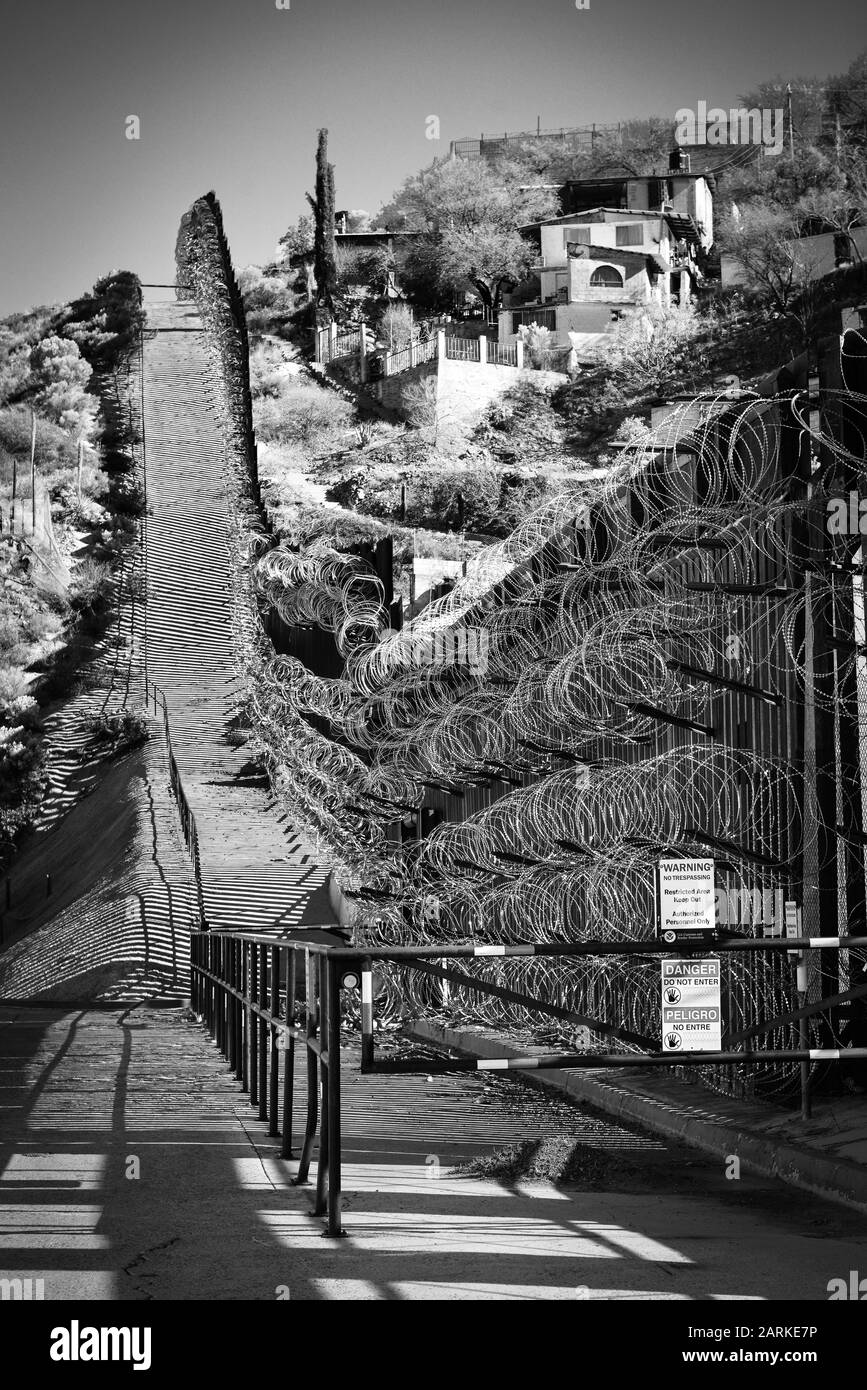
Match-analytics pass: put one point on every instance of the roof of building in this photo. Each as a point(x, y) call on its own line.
point(682, 228)
point(577, 219)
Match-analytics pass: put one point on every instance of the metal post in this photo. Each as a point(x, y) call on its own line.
point(310, 972)
point(252, 996)
point(274, 1076)
point(263, 1032)
point(803, 1034)
point(289, 1056)
point(245, 1016)
point(33, 467)
point(320, 1205)
point(334, 1227)
point(366, 1016)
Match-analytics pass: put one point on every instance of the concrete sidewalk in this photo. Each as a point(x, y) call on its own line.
point(132, 1167)
point(826, 1155)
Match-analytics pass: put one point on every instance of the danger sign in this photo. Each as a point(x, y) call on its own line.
point(687, 902)
point(691, 1006)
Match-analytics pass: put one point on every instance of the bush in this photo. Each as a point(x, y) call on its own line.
point(90, 587)
point(397, 327)
point(303, 414)
point(126, 496)
point(419, 403)
point(122, 728)
point(537, 342)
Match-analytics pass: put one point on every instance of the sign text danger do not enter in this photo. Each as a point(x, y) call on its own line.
point(691, 1006)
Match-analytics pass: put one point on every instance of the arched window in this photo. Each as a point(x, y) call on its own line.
point(608, 276)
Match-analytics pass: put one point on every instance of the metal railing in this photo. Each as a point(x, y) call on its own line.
point(413, 355)
point(463, 349)
point(245, 988)
point(503, 354)
point(154, 694)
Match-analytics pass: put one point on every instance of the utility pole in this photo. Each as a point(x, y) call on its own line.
point(789, 113)
point(33, 466)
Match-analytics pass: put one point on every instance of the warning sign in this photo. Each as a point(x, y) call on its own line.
point(691, 1006)
point(687, 903)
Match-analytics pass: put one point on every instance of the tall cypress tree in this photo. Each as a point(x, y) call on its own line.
point(324, 259)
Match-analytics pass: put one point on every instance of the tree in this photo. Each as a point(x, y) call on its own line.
point(462, 194)
point(397, 327)
point(847, 95)
point(490, 256)
point(471, 218)
point(807, 96)
point(60, 375)
point(324, 259)
point(764, 240)
point(296, 241)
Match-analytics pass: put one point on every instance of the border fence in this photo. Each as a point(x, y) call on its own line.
point(675, 667)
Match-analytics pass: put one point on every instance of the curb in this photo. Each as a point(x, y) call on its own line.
point(834, 1180)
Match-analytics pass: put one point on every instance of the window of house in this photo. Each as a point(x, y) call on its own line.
point(607, 275)
point(629, 233)
point(581, 235)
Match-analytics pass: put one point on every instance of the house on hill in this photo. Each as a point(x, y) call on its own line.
point(597, 267)
point(684, 197)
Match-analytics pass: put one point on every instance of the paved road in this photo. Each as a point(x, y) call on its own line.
point(131, 1167)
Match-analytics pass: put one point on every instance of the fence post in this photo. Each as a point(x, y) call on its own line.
point(33, 468)
point(519, 354)
point(483, 350)
point(441, 344)
point(362, 355)
point(332, 340)
point(331, 1124)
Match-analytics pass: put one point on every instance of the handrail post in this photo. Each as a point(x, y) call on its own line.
point(335, 1201)
point(245, 1016)
point(320, 1204)
point(310, 970)
point(289, 1054)
point(264, 1034)
point(366, 1015)
point(239, 1010)
point(274, 1075)
point(252, 995)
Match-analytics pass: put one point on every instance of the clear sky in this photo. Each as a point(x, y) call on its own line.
point(230, 94)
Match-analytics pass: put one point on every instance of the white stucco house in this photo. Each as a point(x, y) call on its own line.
point(598, 266)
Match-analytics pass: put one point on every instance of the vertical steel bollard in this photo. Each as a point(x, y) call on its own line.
point(310, 969)
point(366, 1016)
point(252, 995)
point(239, 1013)
point(245, 1017)
point(264, 1034)
point(274, 1078)
point(289, 1055)
point(335, 1199)
point(320, 1205)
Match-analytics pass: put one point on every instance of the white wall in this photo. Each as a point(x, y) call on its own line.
point(814, 251)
